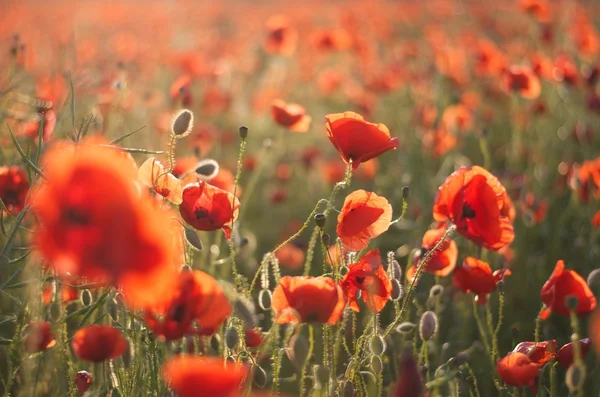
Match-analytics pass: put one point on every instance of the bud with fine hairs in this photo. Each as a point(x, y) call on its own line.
point(207, 169)
point(183, 122)
point(428, 325)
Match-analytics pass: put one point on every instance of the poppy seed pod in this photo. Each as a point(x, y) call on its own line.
point(348, 389)
point(377, 345)
point(193, 240)
point(436, 290)
point(244, 310)
point(376, 364)
point(575, 377)
point(405, 327)
point(405, 192)
point(232, 338)
point(320, 219)
point(322, 374)
point(215, 342)
point(428, 325)
point(326, 239)
point(112, 307)
point(207, 169)
point(593, 279)
point(183, 122)
point(397, 290)
point(243, 132)
point(54, 310)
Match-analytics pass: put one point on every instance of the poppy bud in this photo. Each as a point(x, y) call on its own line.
point(376, 364)
point(320, 219)
point(396, 270)
point(397, 290)
point(114, 392)
point(232, 338)
point(54, 311)
point(299, 350)
point(264, 299)
point(244, 309)
point(193, 240)
point(405, 327)
point(259, 376)
point(428, 325)
point(500, 285)
point(377, 345)
point(183, 122)
point(348, 389)
point(458, 360)
point(322, 374)
point(571, 301)
point(243, 132)
point(326, 239)
point(593, 279)
point(575, 377)
point(207, 169)
point(215, 342)
point(186, 269)
point(435, 291)
point(86, 297)
point(112, 307)
point(83, 380)
point(405, 192)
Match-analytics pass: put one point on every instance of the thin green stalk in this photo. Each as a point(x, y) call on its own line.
point(311, 345)
point(238, 174)
point(498, 326)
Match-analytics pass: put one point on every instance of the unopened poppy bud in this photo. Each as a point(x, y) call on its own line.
point(207, 169)
point(86, 297)
point(322, 374)
point(500, 285)
point(215, 342)
point(259, 376)
point(405, 192)
point(396, 270)
point(428, 325)
point(243, 132)
point(571, 301)
point(377, 345)
point(232, 338)
point(264, 299)
point(348, 389)
point(244, 310)
point(376, 364)
point(112, 307)
point(593, 279)
point(186, 269)
point(458, 360)
point(575, 377)
point(128, 355)
point(54, 311)
point(405, 327)
point(299, 350)
point(435, 291)
point(326, 239)
point(320, 219)
point(83, 381)
point(193, 240)
point(183, 122)
point(397, 290)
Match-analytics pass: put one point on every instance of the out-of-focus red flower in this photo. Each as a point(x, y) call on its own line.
point(14, 187)
point(208, 208)
point(540, 352)
point(357, 140)
point(364, 216)
point(290, 257)
point(565, 70)
point(332, 40)
point(279, 195)
point(290, 115)
point(369, 277)
point(566, 354)
point(197, 306)
point(490, 61)
point(517, 369)
point(83, 381)
point(308, 299)
point(98, 343)
point(281, 38)
point(442, 261)
point(562, 284)
point(31, 128)
point(596, 219)
point(438, 141)
point(225, 180)
point(476, 202)
point(253, 338)
point(457, 118)
point(180, 90)
point(337, 256)
point(215, 100)
point(536, 209)
point(283, 172)
point(67, 293)
point(584, 35)
point(195, 376)
point(410, 381)
point(39, 337)
point(476, 276)
point(154, 175)
point(538, 9)
point(52, 89)
point(522, 80)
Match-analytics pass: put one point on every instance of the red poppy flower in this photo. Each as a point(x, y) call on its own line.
point(154, 175)
point(585, 179)
point(67, 293)
point(476, 276)
point(98, 343)
point(94, 224)
point(477, 203)
point(535, 209)
point(332, 40)
point(39, 337)
point(180, 90)
point(208, 208)
point(368, 276)
point(253, 338)
point(357, 140)
point(14, 187)
point(523, 81)
point(198, 299)
point(225, 180)
point(540, 352)
point(303, 299)
point(410, 381)
point(83, 381)
point(566, 354)
point(194, 376)
point(31, 128)
point(443, 261)
point(438, 141)
point(565, 70)
point(562, 284)
point(517, 369)
point(290, 257)
point(596, 219)
point(364, 216)
point(281, 38)
point(457, 118)
point(290, 115)
point(539, 9)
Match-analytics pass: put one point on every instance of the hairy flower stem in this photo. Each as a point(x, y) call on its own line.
point(498, 326)
point(238, 174)
point(311, 345)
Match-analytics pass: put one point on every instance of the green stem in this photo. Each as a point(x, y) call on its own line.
point(311, 345)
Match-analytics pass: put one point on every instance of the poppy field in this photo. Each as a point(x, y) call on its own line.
point(319, 198)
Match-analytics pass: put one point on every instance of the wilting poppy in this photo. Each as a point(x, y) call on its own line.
point(290, 115)
point(95, 225)
point(154, 175)
point(370, 278)
point(540, 352)
point(517, 369)
point(208, 208)
point(83, 381)
point(281, 38)
point(476, 276)
point(442, 261)
point(523, 81)
point(356, 139)
point(563, 284)
point(39, 337)
point(98, 343)
point(290, 256)
point(364, 216)
point(566, 354)
point(14, 187)
point(197, 306)
point(194, 376)
point(303, 299)
point(476, 202)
